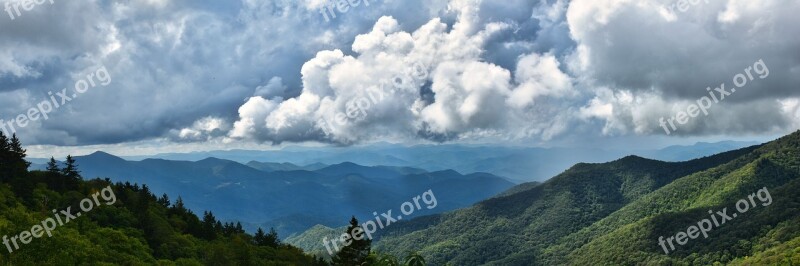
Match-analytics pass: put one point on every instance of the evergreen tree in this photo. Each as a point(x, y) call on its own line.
point(12, 158)
point(272, 238)
point(164, 200)
point(209, 226)
point(71, 169)
point(18, 154)
point(4, 146)
point(178, 207)
point(54, 173)
point(357, 252)
point(52, 166)
point(267, 240)
point(5, 158)
point(260, 238)
point(239, 228)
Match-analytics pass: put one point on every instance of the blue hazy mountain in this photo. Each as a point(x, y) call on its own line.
point(515, 163)
point(273, 167)
point(290, 197)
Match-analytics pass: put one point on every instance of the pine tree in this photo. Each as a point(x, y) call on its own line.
point(52, 166)
point(267, 240)
point(164, 200)
point(71, 169)
point(54, 172)
point(239, 228)
point(12, 158)
point(5, 158)
point(178, 206)
point(272, 238)
point(210, 226)
point(18, 153)
point(260, 238)
point(359, 249)
point(4, 143)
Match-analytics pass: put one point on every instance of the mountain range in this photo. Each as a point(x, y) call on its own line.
point(520, 164)
point(288, 197)
point(614, 213)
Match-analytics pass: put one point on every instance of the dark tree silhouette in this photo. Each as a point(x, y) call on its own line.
point(357, 252)
point(52, 166)
point(267, 240)
point(71, 169)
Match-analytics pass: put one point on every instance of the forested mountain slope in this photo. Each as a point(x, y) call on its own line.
point(557, 221)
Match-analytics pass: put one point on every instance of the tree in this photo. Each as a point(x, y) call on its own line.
point(18, 153)
point(228, 229)
point(56, 178)
point(179, 205)
point(209, 226)
point(357, 252)
point(5, 158)
point(164, 200)
point(272, 239)
point(260, 236)
point(52, 166)
point(414, 259)
point(12, 158)
point(71, 169)
point(267, 240)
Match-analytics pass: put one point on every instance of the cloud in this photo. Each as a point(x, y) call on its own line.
point(495, 70)
point(204, 129)
point(373, 93)
point(672, 55)
point(173, 62)
point(273, 88)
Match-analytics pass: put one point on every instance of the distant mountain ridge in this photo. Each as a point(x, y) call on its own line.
point(290, 197)
point(273, 167)
point(511, 162)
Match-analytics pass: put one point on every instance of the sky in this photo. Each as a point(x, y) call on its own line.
point(148, 76)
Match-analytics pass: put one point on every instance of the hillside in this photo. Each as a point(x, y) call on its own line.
point(774, 166)
point(311, 239)
point(584, 215)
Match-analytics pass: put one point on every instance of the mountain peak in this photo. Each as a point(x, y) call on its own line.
point(212, 160)
point(633, 158)
point(348, 164)
point(344, 165)
point(102, 155)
